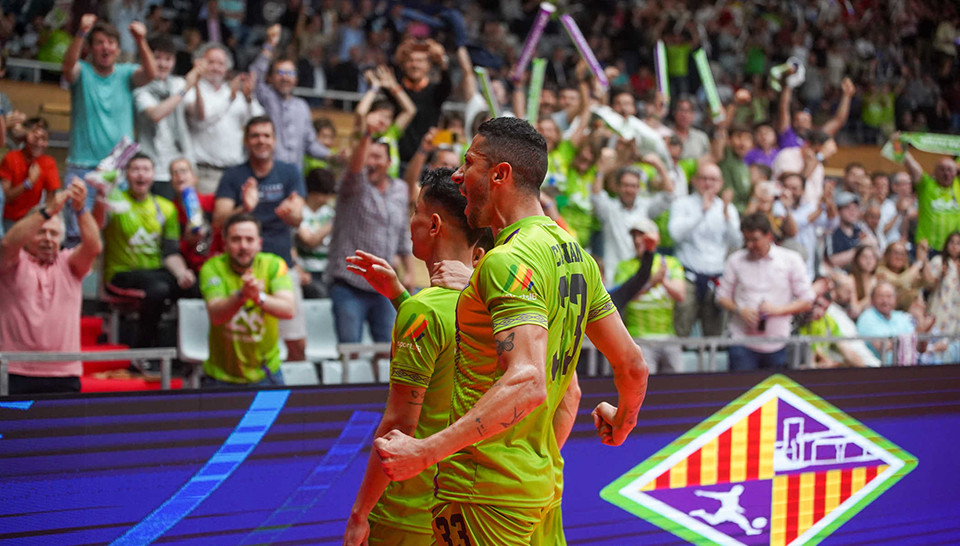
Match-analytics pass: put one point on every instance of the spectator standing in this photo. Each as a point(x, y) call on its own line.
point(696, 143)
point(26, 174)
point(942, 275)
point(276, 77)
point(938, 200)
point(40, 309)
point(809, 218)
point(843, 241)
point(372, 215)
point(897, 222)
point(217, 113)
point(704, 228)
point(101, 97)
point(763, 286)
point(649, 314)
point(161, 123)
point(416, 59)
point(618, 213)
point(379, 115)
point(730, 159)
point(246, 291)
point(141, 249)
point(272, 191)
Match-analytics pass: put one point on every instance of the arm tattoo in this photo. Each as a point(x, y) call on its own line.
point(505, 345)
point(481, 428)
point(516, 417)
point(417, 398)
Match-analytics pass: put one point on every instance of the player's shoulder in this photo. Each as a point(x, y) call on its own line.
point(432, 301)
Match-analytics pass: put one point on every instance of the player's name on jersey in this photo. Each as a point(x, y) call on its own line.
point(569, 252)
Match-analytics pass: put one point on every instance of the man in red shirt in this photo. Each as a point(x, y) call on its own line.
point(26, 173)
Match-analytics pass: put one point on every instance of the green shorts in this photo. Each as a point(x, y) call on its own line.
point(384, 535)
point(463, 524)
point(550, 530)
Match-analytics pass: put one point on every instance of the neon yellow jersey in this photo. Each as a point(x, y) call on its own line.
point(423, 349)
point(536, 274)
point(135, 230)
point(242, 347)
point(939, 211)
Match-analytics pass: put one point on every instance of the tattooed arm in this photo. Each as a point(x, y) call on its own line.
point(522, 354)
point(402, 413)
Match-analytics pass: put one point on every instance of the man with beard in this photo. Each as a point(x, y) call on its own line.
point(272, 191)
point(246, 291)
point(40, 307)
point(101, 97)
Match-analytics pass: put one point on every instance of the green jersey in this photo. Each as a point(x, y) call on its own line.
point(938, 211)
point(558, 163)
point(535, 274)
point(135, 230)
point(243, 347)
point(575, 205)
point(650, 314)
point(423, 349)
point(823, 327)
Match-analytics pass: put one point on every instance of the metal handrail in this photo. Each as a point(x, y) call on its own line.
point(165, 354)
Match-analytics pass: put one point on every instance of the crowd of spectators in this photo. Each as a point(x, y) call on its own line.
point(220, 127)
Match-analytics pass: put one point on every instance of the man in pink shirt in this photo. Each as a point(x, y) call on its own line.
point(40, 307)
point(763, 286)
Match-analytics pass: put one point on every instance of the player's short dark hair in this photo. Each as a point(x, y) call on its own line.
point(239, 218)
point(514, 141)
point(141, 155)
point(440, 191)
point(321, 180)
point(257, 120)
point(163, 43)
point(757, 221)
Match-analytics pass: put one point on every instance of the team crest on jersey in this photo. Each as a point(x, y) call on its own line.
point(777, 466)
point(520, 276)
point(415, 328)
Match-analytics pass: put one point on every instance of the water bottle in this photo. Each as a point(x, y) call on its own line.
point(191, 205)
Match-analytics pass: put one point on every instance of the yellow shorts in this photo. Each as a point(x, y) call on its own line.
point(550, 530)
point(464, 524)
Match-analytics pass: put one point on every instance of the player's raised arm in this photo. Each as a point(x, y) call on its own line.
point(522, 354)
point(630, 372)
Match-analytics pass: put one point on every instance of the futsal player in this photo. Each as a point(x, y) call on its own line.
point(520, 327)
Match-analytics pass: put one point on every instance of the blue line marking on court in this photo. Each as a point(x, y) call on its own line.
point(23, 405)
point(255, 423)
point(352, 439)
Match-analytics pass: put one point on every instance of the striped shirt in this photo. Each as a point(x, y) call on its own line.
point(370, 220)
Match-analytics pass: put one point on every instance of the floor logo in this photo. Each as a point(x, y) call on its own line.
point(776, 466)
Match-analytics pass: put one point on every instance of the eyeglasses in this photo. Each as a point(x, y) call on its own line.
point(284, 72)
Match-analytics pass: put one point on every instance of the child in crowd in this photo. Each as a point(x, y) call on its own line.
point(313, 235)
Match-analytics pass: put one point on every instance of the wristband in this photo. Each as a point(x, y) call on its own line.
point(43, 212)
point(400, 299)
point(28, 184)
point(183, 92)
point(239, 294)
point(261, 297)
point(820, 157)
point(82, 35)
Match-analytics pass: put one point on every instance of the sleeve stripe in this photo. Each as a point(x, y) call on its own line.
point(531, 318)
point(407, 376)
point(601, 311)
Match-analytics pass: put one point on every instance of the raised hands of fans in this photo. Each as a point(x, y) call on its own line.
point(289, 209)
point(923, 251)
point(452, 274)
point(828, 149)
point(86, 23)
point(77, 192)
point(378, 273)
point(235, 85)
point(426, 143)
point(371, 76)
point(199, 68)
point(607, 162)
point(138, 30)
point(251, 287)
point(435, 51)
point(247, 83)
point(250, 194)
point(848, 88)
point(582, 70)
point(742, 96)
point(387, 79)
point(273, 35)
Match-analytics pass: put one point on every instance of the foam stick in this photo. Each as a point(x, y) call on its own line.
point(663, 81)
point(584, 48)
point(487, 89)
point(533, 38)
point(709, 86)
point(537, 72)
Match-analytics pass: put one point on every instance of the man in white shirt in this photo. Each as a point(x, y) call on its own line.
point(217, 113)
point(618, 213)
point(704, 227)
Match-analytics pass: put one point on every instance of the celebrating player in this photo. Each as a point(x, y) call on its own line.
point(520, 327)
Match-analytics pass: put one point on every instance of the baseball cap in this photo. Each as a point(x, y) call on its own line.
point(645, 225)
point(844, 198)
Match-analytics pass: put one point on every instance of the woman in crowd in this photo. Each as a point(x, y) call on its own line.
point(942, 276)
point(863, 269)
point(898, 271)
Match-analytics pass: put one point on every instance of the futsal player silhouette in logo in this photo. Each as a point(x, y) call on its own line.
point(730, 511)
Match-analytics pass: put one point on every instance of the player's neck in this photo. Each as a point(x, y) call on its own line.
point(458, 251)
point(513, 212)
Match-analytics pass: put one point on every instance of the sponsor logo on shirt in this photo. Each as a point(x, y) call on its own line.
point(247, 325)
point(520, 276)
point(144, 242)
point(415, 328)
